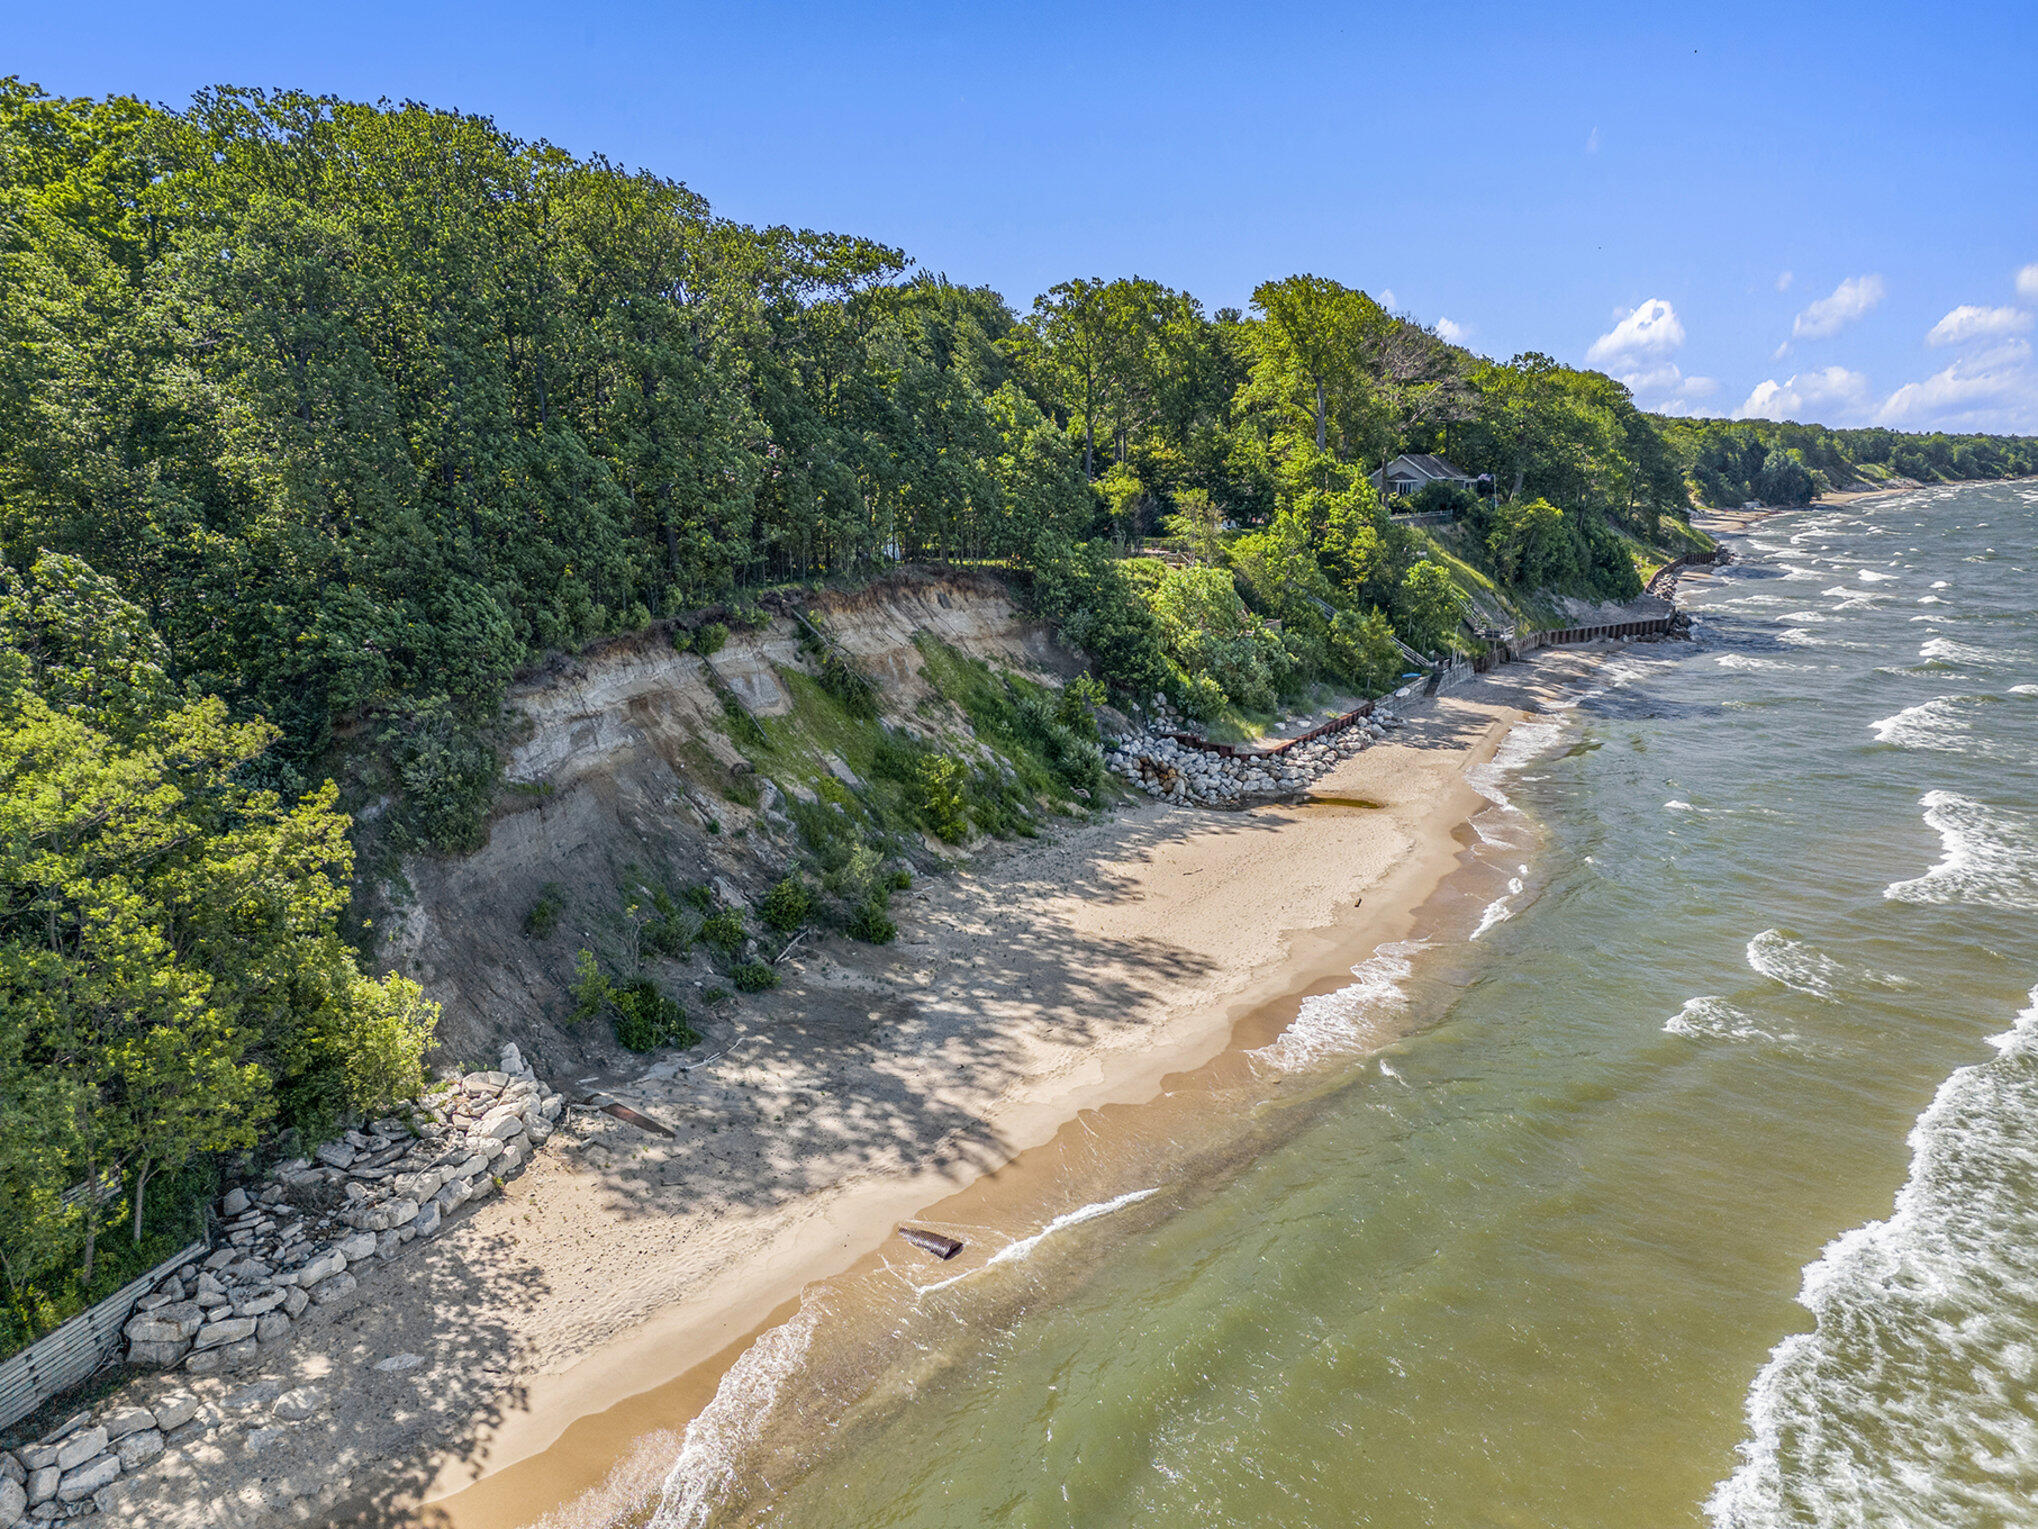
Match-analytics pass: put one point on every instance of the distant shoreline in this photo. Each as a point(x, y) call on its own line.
point(1712, 522)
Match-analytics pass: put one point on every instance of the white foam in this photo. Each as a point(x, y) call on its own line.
point(1710, 1017)
point(1989, 857)
point(1746, 661)
point(1908, 1403)
point(705, 1471)
point(1333, 1025)
point(1942, 583)
point(1793, 963)
point(1022, 1249)
point(1869, 576)
point(1946, 650)
point(1500, 909)
point(1523, 743)
point(1935, 724)
point(2024, 690)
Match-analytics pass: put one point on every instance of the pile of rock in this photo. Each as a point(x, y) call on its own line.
point(68, 1473)
point(297, 1241)
point(1164, 767)
point(380, 1188)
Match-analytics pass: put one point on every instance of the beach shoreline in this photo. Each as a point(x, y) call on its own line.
point(651, 1379)
point(600, 1299)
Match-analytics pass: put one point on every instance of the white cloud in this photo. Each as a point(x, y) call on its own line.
point(1993, 389)
point(1636, 351)
point(1592, 141)
point(1829, 315)
point(1649, 331)
point(1833, 389)
point(1784, 280)
point(2027, 281)
point(1388, 300)
point(1457, 334)
point(1780, 352)
point(1968, 322)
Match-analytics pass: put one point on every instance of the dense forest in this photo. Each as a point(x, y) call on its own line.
point(324, 419)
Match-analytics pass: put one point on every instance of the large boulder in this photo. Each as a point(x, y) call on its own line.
point(255, 1303)
point(295, 1406)
point(340, 1285)
point(79, 1447)
point(88, 1478)
point(321, 1268)
point(138, 1449)
point(175, 1410)
point(225, 1330)
point(122, 1421)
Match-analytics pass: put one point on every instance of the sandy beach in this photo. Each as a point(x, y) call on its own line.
point(603, 1295)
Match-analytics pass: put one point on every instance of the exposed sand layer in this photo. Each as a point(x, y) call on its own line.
point(1061, 976)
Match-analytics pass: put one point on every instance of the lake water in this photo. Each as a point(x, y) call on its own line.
point(1701, 1189)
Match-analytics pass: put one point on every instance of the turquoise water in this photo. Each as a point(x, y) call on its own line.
point(1700, 1190)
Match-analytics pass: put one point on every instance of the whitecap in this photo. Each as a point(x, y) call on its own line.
point(1942, 583)
point(1989, 857)
point(1710, 1017)
point(1870, 576)
point(2024, 690)
point(1946, 650)
point(1793, 963)
point(1935, 724)
point(1907, 1402)
point(1677, 806)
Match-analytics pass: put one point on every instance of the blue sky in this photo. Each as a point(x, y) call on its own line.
point(1811, 211)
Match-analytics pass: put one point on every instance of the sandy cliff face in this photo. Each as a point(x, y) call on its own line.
point(624, 766)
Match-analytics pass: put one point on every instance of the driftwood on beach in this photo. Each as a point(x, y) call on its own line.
point(931, 1242)
point(643, 1122)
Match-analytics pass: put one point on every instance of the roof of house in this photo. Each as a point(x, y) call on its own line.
point(1431, 467)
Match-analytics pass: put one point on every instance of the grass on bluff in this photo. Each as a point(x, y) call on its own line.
point(912, 785)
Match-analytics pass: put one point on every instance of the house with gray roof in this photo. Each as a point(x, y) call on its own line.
point(1412, 472)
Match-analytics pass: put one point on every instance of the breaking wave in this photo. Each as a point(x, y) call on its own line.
point(705, 1473)
point(1793, 963)
point(1946, 650)
point(1910, 1401)
point(1710, 1017)
point(1022, 1249)
point(1989, 859)
point(1939, 724)
point(1352, 1019)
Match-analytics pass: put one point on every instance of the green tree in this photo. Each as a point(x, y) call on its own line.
point(170, 968)
point(1427, 607)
